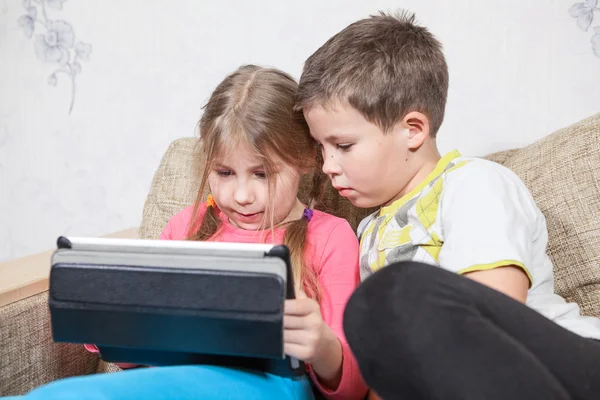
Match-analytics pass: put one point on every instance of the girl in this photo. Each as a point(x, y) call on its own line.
point(254, 150)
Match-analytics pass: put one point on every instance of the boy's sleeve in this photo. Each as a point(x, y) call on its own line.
point(488, 220)
point(338, 277)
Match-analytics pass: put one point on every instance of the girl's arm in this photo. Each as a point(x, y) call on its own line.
point(307, 337)
point(176, 229)
point(338, 277)
point(92, 348)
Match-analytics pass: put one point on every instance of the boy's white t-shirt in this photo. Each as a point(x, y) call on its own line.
point(469, 215)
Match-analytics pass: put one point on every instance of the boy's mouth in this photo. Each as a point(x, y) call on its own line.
point(344, 192)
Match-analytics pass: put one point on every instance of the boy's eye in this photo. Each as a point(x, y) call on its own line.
point(345, 147)
point(261, 174)
point(224, 172)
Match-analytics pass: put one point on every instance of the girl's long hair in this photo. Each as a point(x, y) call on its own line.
point(255, 105)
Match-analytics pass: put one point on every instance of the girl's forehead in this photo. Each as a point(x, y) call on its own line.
point(248, 159)
point(241, 150)
point(236, 150)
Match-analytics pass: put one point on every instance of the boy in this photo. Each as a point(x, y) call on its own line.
point(374, 97)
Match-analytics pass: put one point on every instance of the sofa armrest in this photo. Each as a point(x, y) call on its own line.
point(28, 276)
point(29, 357)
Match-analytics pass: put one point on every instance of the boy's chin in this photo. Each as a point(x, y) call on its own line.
point(363, 202)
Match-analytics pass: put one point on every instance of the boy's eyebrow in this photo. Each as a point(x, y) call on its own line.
point(336, 137)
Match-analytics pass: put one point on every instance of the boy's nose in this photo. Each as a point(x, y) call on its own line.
point(330, 165)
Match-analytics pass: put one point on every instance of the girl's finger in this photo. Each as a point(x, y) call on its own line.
point(295, 337)
point(294, 322)
point(300, 307)
point(295, 350)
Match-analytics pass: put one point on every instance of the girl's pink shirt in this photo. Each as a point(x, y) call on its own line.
point(332, 251)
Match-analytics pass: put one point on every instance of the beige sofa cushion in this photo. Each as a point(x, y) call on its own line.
point(562, 171)
point(173, 188)
point(29, 356)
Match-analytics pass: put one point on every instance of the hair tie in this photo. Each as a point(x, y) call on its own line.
point(308, 214)
point(210, 201)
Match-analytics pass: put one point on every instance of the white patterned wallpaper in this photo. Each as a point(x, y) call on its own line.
point(92, 92)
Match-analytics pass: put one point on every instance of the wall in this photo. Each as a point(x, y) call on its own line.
point(519, 70)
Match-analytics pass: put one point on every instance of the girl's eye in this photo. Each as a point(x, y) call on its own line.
point(224, 172)
point(344, 147)
point(261, 174)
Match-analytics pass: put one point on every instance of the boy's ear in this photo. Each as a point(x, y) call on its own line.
point(417, 125)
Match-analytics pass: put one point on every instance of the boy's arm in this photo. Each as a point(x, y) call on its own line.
point(489, 224)
point(510, 280)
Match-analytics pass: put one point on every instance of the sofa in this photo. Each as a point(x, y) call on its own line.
point(562, 171)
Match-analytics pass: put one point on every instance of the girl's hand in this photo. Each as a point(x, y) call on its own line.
point(304, 329)
point(307, 338)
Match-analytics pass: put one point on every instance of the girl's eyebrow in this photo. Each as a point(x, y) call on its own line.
point(219, 164)
point(255, 167)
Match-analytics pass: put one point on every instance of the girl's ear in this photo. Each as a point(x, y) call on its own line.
point(306, 170)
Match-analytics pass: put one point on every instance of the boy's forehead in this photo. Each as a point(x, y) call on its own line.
point(334, 110)
point(334, 119)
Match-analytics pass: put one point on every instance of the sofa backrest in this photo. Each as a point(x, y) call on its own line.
point(562, 171)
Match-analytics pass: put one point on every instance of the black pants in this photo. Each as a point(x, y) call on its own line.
point(420, 332)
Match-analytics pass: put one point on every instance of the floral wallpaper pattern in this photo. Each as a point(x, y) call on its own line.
point(87, 173)
point(54, 41)
point(584, 13)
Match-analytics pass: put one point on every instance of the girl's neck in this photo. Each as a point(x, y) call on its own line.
point(294, 214)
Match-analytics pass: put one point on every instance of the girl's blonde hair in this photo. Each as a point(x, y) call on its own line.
point(255, 105)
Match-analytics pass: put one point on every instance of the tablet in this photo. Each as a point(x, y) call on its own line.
point(162, 302)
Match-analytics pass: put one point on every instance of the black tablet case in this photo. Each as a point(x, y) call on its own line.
point(173, 316)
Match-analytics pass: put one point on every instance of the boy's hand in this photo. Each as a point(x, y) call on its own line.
point(307, 338)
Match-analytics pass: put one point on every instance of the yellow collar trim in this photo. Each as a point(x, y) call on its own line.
point(439, 169)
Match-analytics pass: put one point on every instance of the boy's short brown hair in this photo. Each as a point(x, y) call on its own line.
point(384, 66)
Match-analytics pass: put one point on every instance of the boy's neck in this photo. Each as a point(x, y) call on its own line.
point(422, 163)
